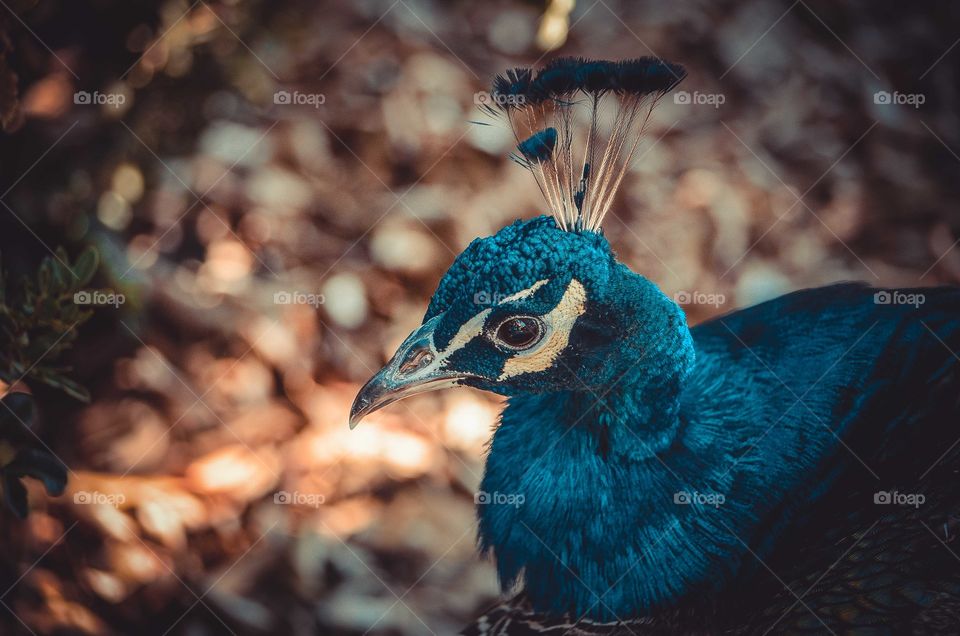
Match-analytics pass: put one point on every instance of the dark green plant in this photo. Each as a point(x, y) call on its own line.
point(39, 319)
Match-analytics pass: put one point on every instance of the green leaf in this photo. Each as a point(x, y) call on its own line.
point(70, 387)
point(62, 278)
point(45, 276)
point(85, 267)
point(38, 315)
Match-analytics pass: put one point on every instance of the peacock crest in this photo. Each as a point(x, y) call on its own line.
point(578, 123)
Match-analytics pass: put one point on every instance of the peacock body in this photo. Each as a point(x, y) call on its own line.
point(789, 467)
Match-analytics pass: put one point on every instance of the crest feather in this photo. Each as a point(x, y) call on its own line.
point(577, 123)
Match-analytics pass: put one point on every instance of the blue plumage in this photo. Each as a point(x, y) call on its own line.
point(600, 481)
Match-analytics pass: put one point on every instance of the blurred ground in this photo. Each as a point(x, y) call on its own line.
point(276, 188)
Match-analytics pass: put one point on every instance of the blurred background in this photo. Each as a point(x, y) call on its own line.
point(274, 190)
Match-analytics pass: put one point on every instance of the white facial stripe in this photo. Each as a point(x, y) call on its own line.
point(474, 327)
point(467, 332)
point(559, 324)
point(529, 291)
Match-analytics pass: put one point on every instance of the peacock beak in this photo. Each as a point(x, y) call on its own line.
point(415, 368)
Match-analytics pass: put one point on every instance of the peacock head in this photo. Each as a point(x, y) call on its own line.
point(532, 309)
point(543, 305)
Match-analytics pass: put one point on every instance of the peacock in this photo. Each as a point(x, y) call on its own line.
point(790, 467)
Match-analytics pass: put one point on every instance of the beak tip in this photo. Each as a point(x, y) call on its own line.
point(389, 385)
point(362, 406)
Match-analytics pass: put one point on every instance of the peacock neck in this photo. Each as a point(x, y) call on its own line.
point(593, 475)
point(636, 417)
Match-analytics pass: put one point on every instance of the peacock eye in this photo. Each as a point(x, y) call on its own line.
point(520, 332)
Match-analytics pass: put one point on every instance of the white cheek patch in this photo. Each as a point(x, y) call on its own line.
point(474, 327)
point(559, 323)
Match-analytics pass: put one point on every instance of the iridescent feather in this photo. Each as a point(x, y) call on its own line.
point(577, 124)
